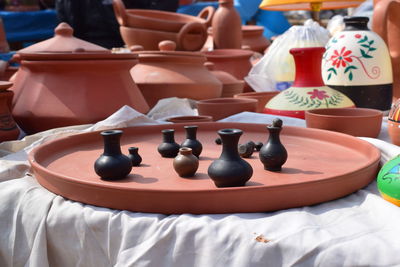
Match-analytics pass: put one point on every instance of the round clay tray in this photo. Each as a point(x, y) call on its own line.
point(322, 166)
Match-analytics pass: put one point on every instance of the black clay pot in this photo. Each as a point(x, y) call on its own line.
point(191, 141)
point(168, 148)
point(112, 164)
point(134, 156)
point(230, 169)
point(273, 154)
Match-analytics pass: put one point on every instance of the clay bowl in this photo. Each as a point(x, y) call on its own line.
point(220, 108)
point(354, 121)
point(261, 97)
point(394, 132)
point(189, 119)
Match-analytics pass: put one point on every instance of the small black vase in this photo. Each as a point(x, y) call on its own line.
point(230, 169)
point(273, 154)
point(112, 164)
point(191, 141)
point(168, 148)
point(134, 156)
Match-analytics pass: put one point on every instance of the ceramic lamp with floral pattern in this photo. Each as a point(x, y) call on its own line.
point(357, 63)
point(308, 90)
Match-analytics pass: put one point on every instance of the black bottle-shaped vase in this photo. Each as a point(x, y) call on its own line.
point(191, 141)
point(273, 154)
point(134, 156)
point(168, 148)
point(112, 164)
point(230, 169)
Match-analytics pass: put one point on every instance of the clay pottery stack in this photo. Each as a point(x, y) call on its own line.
point(149, 27)
point(308, 90)
point(8, 127)
point(220, 108)
point(357, 63)
point(230, 85)
point(169, 73)
point(261, 97)
point(79, 83)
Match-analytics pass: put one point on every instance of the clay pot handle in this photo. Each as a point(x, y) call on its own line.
point(120, 12)
point(191, 27)
point(207, 14)
point(380, 17)
point(167, 45)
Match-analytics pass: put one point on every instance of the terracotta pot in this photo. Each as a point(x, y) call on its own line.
point(169, 73)
point(357, 63)
point(354, 121)
point(189, 119)
point(159, 20)
point(190, 38)
point(394, 123)
point(230, 85)
point(385, 23)
point(8, 127)
point(261, 97)
point(77, 87)
point(220, 108)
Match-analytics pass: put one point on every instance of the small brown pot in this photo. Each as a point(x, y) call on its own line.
point(188, 119)
point(261, 97)
point(394, 132)
point(186, 164)
point(220, 108)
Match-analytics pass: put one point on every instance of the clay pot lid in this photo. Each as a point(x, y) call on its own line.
point(76, 55)
point(4, 85)
point(222, 76)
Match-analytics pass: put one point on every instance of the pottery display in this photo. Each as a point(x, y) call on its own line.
point(168, 73)
point(357, 63)
point(186, 119)
point(261, 97)
point(227, 26)
point(386, 24)
point(112, 164)
point(311, 175)
point(308, 90)
point(168, 148)
point(8, 127)
point(186, 164)
point(159, 20)
point(134, 156)
point(273, 154)
point(220, 108)
point(230, 85)
point(191, 140)
point(354, 121)
point(80, 83)
point(394, 123)
point(230, 169)
point(388, 181)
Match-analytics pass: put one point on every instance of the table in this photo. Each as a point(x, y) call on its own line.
point(41, 229)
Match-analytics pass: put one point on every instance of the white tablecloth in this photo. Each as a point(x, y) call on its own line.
point(41, 229)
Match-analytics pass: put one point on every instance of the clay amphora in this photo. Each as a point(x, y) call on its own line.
point(168, 148)
point(273, 154)
point(385, 22)
point(227, 26)
point(186, 164)
point(191, 141)
point(357, 63)
point(112, 164)
point(134, 156)
point(230, 169)
point(8, 127)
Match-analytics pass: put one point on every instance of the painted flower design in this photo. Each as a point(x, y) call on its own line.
point(320, 94)
point(341, 58)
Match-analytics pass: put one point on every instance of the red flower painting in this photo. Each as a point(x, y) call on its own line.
point(318, 94)
point(341, 58)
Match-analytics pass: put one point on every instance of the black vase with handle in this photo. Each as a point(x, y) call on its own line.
point(191, 141)
point(168, 148)
point(230, 169)
point(112, 164)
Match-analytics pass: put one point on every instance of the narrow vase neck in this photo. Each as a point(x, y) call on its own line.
point(112, 144)
point(308, 66)
point(191, 132)
point(274, 135)
point(168, 136)
point(230, 143)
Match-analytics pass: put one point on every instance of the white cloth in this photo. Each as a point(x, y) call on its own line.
point(39, 228)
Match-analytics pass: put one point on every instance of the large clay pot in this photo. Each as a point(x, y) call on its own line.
point(230, 85)
point(159, 20)
point(385, 22)
point(357, 63)
point(8, 127)
point(308, 90)
point(76, 86)
point(168, 73)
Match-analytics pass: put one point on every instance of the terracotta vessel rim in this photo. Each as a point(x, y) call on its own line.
point(188, 119)
point(260, 94)
point(346, 113)
point(141, 13)
point(229, 100)
point(228, 53)
point(4, 85)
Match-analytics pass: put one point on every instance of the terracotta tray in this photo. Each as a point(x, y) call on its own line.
point(322, 166)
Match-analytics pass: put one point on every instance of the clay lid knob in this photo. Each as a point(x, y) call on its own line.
point(209, 65)
point(136, 48)
point(167, 45)
point(64, 29)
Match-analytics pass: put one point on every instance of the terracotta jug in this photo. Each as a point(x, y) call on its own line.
point(385, 22)
point(8, 127)
point(227, 26)
point(80, 83)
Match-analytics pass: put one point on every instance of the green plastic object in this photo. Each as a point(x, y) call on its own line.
point(389, 180)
